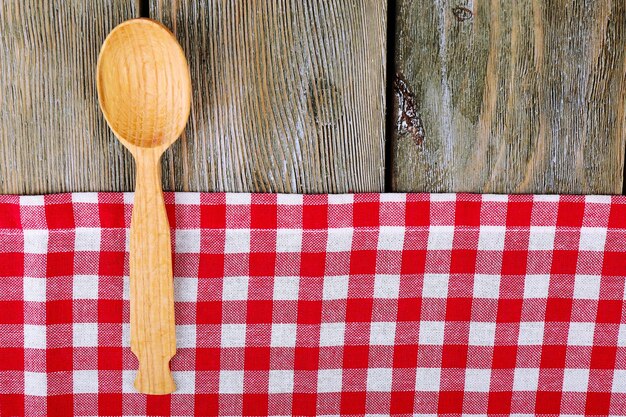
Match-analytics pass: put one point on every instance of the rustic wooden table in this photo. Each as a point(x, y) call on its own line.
point(291, 96)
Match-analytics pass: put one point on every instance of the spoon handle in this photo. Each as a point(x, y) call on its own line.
point(153, 335)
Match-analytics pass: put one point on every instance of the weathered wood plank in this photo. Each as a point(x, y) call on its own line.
point(288, 95)
point(514, 96)
point(52, 135)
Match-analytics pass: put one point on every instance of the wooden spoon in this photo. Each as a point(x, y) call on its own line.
point(144, 90)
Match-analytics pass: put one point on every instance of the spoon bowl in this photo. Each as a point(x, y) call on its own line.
point(144, 89)
point(143, 83)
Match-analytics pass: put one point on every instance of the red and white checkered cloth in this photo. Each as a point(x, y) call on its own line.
point(324, 304)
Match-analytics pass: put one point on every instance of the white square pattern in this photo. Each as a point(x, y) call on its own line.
point(233, 335)
point(392, 198)
point(526, 379)
point(379, 379)
point(185, 336)
point(286, 288)
point(340, 198)
point(288, 240)
point(237, 241)
point(87, 239)
point(386, 286)
point(186, 289)
point(619, 381)
point(332, 334)
point(547, 197)
point(335, 287)
point(283, 335)
point(482, 333)
point(621, 335)
point(231, 382)
point(530, 333)
point(435, 286)
point(185, 382)
point(235, 288)
point(85, 381)
point(125, 334)
point(187, 198)
point(587, 287)
point(575, 380)
point(85, 335)
point(34, 289)
point(238, 199)
point(383, 333)
point(85, 198)
point(281, 381)
point(85, 287)
point(440, 237)
point(36, 384)
point(35, 241)
point(491, 238)
point(431, 333)
point(541, 238)
point(477, 380)
point(486, 286)
point(580, 334)
point(34, 336)
point(536, 286)
point(126, 288)
point(592, 239)
point(443, 197)
point(391, 238)
point(329, 380)
point(188, 241)
point(128, 381)
point(289, 199)
point(31, 200)
point(495, 197)
point(598, 199)
point(427, 379)
point(339, 240)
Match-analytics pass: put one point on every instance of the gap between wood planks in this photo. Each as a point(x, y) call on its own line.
point(144, 8)
point(389, 110)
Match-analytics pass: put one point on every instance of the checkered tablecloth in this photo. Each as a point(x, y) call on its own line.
point(323, 304)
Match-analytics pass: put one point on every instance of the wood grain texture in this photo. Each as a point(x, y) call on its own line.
point(153, 333)
point(52, 135)
point(288, 95)
point(516, 96)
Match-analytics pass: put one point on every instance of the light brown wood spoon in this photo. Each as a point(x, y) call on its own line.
point(144, 90)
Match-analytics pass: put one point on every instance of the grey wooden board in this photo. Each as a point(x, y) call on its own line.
point(288, 95)
point(52, 135)
point(511, 97)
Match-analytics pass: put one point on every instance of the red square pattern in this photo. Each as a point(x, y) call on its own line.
point(213, 216)
point(112, 215)
point(11, 264)
point(467, 213)
point(366, 214)
point(60, 216)
point(498, 328)
point(10, 216)
point(263, 216)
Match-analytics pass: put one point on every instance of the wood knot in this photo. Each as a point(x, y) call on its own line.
point(462, 13)
point(324, 101)
point(409, 120)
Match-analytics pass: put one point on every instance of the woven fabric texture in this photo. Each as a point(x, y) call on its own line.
point(379, 304)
